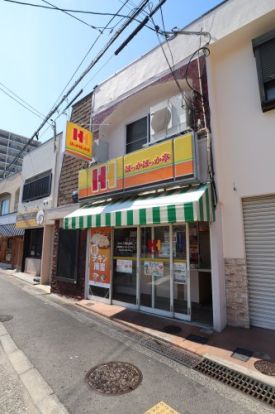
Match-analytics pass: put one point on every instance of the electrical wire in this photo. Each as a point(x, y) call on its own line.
point(130, 19)
point(87, 53)
point(21, 102)
point(72, 16)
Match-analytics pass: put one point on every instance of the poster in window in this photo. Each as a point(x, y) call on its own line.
point(180, 274)
point(100, 257)
point(124, 266)
point(155, 269)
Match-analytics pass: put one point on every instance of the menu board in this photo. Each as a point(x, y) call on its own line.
point(100, 257)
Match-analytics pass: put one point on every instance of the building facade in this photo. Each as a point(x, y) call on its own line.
point(241, 73)
point(38, 195)
point(177, 220)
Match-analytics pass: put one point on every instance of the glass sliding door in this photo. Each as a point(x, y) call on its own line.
point(155, 285)
point(181, 274)
point(125, 265)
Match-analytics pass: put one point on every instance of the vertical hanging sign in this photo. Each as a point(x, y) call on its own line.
point(79, 141)
point(100, 257)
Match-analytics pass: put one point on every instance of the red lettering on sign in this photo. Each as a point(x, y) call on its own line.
point(78, 135)
point(99, 178)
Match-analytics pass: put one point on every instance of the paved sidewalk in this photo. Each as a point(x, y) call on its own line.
point(14, 399)
point(219, 346)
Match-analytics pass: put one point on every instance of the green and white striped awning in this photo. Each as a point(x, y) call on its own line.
point(170, 207)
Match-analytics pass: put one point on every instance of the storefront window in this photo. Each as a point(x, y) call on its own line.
point(125, 265)
point(34, 241)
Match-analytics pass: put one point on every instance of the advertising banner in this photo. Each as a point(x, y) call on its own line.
point(103, 178)
point(79, 141)
point(149, 165)
point(100, 257)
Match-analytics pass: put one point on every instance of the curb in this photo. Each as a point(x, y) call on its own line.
point(40, 392)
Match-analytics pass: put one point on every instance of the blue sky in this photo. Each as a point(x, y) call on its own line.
point(40, 49)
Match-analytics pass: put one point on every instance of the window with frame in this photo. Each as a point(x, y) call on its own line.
point(5, 206)
point(37, 187)
point(136, 134)
point(264, 51)
point(67, 258)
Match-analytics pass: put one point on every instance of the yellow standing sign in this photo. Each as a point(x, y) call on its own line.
point(79, 141)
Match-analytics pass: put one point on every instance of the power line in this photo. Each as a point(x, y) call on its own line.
point(87, 70)
point(139, 27)
point(72, 16)
point(66, 10)
point(83, 59)
point(21, 102)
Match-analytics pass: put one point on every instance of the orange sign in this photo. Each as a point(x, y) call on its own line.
point(102, 178)
point(169, 160)
point(79, 141)
point(100, 257)
point(149, 165)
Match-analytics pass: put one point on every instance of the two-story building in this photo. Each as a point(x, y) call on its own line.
point(179, 220)
point(38, 195)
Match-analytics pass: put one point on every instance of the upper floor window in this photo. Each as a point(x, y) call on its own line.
point(5, 206)
point(264, 50)
point(37, 187)
point(136, 134)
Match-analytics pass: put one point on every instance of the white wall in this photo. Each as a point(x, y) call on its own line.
point(243, 135)
point(225, 19)
point(46, 157)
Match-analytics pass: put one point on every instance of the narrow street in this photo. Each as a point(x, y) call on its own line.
point(63, 343)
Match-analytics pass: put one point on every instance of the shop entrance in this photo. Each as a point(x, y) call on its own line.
point(161, 269)
point(164, 282)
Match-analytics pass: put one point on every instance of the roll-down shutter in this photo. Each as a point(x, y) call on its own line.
point(259, 228)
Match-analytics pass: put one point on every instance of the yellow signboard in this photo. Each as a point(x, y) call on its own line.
point(183, 156)
point(26, 219)
point(100, 179)
point(149, 165)
point(79, 141)
point(169, 160)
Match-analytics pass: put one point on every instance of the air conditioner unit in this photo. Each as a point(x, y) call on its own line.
point(169, 117)
point(100, 150)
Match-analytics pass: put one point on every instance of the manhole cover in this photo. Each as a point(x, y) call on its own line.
point(265, 367)
point(5, 318)
point(172, 329)
point(114, 378)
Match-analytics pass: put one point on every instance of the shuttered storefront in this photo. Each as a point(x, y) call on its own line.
point(259, 228)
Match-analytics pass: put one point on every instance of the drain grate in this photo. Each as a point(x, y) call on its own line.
point(5, 318)
point(172, 352)
point(114, 378)
point(247, 385)
point(197, 338)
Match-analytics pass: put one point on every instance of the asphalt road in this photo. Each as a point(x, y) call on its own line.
point(64, 343)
